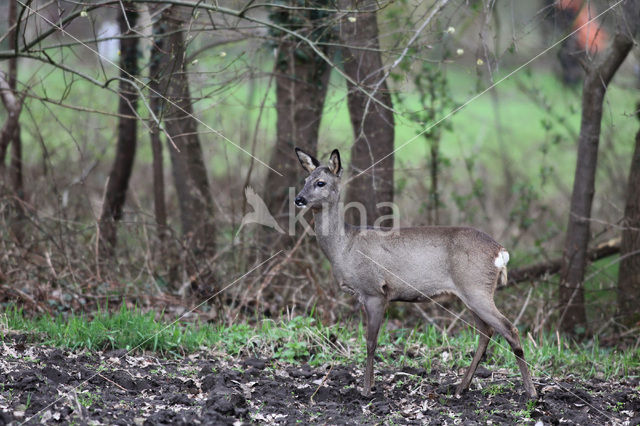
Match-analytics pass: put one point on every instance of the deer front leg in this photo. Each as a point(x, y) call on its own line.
point(374, 308)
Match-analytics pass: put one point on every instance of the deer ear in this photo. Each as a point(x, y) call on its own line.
point(309, 163)
point(334, 163)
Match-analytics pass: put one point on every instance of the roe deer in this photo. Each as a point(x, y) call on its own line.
point(408, 264)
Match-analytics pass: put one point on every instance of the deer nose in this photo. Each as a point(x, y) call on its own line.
point(300, 201)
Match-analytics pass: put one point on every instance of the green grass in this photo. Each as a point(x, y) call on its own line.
point(303, 338)
point(495, 389)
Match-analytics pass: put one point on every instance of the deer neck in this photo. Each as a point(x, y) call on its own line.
point(330, 230)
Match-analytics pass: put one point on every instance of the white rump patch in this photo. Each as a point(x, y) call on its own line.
point(502, 259)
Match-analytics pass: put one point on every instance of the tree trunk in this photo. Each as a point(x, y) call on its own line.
point(155, 103)
point(11, 135)
point(189, 171)
point(16, 151)
point(302, 80)
point(573, 316)
point(629, 273)
point(11, 127)
point(127, 134)
point(373, 125)
point(16, 145)
point(13, 104)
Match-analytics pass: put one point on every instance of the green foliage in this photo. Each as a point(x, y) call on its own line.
point(293, 351)
point(528, 411)
point(129, 329)
point(495, 389)
point(87, 398)
point(303, 338)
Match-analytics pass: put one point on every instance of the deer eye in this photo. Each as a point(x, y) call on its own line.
point(320, 184)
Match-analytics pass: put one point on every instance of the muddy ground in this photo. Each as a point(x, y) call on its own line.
point(54, 386)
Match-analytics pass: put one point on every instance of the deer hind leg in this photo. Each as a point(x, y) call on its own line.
point(491, 315)
point(485, 332)
point(374, 309)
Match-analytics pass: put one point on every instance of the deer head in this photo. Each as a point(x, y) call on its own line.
point(322, 186)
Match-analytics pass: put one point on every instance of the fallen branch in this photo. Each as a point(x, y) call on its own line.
point(24, 296)
point(538, 270)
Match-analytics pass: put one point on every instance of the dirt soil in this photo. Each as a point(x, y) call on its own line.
point(54, 386)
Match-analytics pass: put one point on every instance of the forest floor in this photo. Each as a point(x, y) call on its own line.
point(42, 384)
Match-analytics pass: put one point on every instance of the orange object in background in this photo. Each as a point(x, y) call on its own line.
point(590, 35)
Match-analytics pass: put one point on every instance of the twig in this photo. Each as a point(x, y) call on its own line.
point(427, 317)
point(112, 382)
point(98, 236)
point(47, 256)
point(524, 307)
point(455, 320)
point(279, 266)
point(321, 383)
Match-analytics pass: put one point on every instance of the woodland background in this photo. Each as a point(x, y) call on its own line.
point(131, 130)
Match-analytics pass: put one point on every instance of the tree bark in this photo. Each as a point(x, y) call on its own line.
point(189, 170)
point(11, 135)
point(11, 126)
point(302, 80)
point(629, 273)
point(16, 150)
point(13, 104)
point(373, 125)
point(155, 103)
point(127, 134)
point(598, 77)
